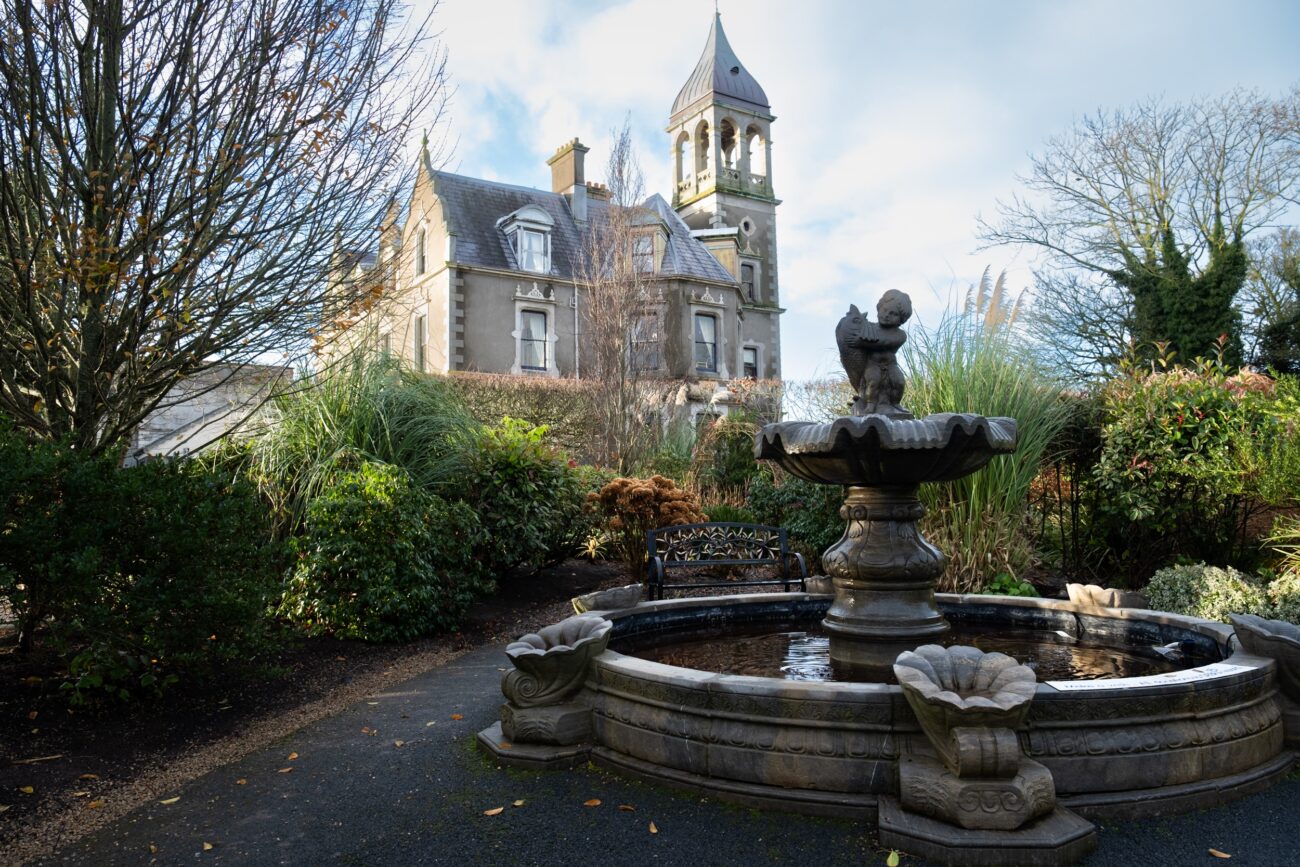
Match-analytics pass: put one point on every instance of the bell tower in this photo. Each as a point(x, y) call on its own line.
point(720, 130)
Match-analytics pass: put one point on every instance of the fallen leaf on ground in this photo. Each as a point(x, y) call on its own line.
point(892, 860)
point(504, 746)
point(293, 757)
point(241, 782)
point(33, 714)
point(94, 805)
point(518, 803)
point(627, 808)
point(81, 794)
point(170, 800)
point(654, 828)
point(594, 802)
point(153, 850)
point(26, 790)
point(31, 681)
point(207, 847)
point(1217, 854)
point(457, 716)
point(426, 725)
point(88, 777)
point(495, 811)
point(399, 743)
point(4, 807)
point(341, 659)
point(286, 770)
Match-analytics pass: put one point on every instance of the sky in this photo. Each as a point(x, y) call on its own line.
point(898, 124)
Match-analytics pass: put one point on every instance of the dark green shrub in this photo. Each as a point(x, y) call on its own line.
point(728, 512)
point(809, 512)
point(142, 575)
point(1008, 585)
point(723, 461)
point(530, 499)
point(1187, 456)
point(381, 560)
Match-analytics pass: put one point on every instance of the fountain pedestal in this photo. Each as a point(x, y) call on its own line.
point(884, 571)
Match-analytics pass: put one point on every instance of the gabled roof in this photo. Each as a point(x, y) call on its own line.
point(721, 76)
point(473, 208)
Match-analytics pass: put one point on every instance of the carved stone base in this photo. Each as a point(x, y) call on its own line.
point(1056, 840)
point(976, 803)
point(530, 756)
point(556, 724)
point(1290, 721)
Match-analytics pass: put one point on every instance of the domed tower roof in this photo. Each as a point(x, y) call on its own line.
point(721, 76)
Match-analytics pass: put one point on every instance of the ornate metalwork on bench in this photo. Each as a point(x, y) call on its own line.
point(721, 543)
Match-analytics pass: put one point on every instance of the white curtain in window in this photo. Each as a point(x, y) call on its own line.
point(532, 251)
point(706, 342)
point(532, 340)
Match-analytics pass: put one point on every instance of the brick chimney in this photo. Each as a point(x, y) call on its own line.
point(567, 176)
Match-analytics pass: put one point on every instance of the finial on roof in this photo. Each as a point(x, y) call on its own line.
point(424, 144)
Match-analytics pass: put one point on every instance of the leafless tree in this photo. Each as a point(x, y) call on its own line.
point(1271, 301)
point(620, 329)
point(1157, 192)
point(175, 176)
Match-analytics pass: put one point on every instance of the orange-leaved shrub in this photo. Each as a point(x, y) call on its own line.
point(632, 507)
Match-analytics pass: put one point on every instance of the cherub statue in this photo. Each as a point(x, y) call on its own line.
point(868, 351)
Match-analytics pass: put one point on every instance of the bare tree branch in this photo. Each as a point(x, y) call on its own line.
point(174, 179)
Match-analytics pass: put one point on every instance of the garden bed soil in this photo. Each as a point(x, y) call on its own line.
point(86, 767)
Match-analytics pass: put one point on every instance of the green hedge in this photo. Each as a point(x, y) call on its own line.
point(382, 560)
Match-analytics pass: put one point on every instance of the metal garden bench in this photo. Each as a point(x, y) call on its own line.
point(720, 543)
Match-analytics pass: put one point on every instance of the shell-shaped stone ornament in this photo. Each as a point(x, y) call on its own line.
point(551, 665)
point(1277, 640)
point(962, 688)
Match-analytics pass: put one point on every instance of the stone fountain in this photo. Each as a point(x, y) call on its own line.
point(971, 757)
point(883, 569)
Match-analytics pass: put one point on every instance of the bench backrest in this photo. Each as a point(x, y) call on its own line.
point(717, 542)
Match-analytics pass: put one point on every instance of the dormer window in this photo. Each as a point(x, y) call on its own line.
point(529, 232)
point(643, 254)
point(531, 252)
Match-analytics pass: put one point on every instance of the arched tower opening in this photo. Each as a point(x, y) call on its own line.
point(729, 143)
point(702, 152)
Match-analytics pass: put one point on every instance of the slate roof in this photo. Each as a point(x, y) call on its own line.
point(685, 255)
point(720, 74)
point(473, 207)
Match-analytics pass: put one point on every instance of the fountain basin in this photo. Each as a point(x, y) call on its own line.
point(1124, 747)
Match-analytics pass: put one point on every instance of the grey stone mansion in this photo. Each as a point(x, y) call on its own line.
point(485, 276)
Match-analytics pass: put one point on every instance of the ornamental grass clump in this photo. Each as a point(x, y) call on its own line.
point(633, 507)
point(978, 362)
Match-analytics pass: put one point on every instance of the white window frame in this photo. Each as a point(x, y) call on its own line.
point(535, 261)
point(643, 253)
point(535, 302)
point(525, 340)
point(696, 343)
point(653, 345)
point(420, 340)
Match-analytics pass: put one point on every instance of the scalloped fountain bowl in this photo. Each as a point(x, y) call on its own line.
point(1202, 731)
point(879, 450)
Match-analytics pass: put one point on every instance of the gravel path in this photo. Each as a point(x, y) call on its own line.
point(396, 779)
